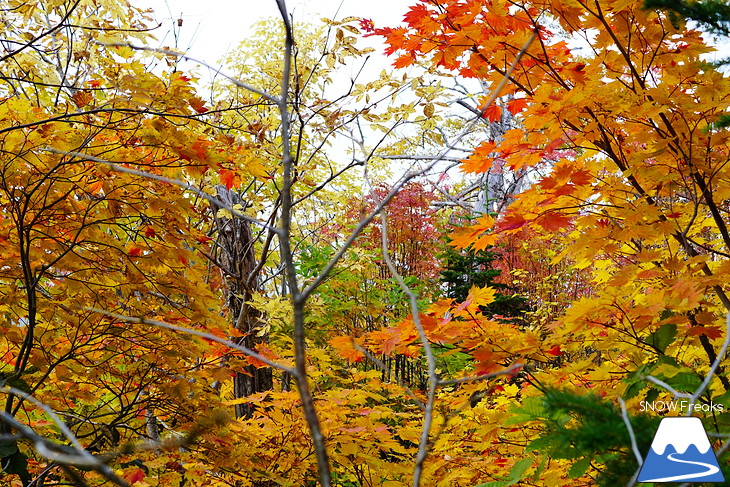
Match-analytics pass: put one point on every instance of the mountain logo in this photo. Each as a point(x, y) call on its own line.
point(680, 452)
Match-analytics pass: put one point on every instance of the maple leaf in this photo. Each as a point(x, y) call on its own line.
point(418, 15)
point(493, 113)
point(481, 160)
point(554, 221)
point(344, 345)
point(367, 25)
point(516, 105)
point(478, 296)
point(512, 221)
point(95, 187)
point(134, 475)
point(477, 234)
point(227, 177)
point(198, 104)
point(403, 61)
point(82, 98)
point(711, 332)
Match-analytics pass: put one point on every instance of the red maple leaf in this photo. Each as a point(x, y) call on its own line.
point(512, 221)
point(554, 221)
point(492, 113)
point(136, 475)
point(227, 177)
point(367, 25)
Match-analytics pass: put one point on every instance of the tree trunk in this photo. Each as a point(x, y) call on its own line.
point(237, 258)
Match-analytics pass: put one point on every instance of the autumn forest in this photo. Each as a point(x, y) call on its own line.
point(476, 248)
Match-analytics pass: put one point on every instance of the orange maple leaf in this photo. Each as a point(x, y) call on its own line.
point(492, 113)
point(345, 347)
point(517, 105)
point(710, 332)
point(481, 160)
point(403, 61)
point(227, 177)
point(476, 235)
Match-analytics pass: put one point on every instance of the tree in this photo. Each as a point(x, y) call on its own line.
point(636, 196)
point(79, 234)
point(158, 245)
point(124, 292)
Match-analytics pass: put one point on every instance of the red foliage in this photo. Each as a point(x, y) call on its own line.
point(413, 238)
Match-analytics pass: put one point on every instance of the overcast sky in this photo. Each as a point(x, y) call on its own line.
point(211, 27)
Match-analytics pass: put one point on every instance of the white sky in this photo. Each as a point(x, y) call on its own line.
point(211, 27)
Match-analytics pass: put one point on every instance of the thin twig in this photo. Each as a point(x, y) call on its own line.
point(433, 379)
point(669, 388)
point(217, 71)
point(509, 370)
point(632, 436)
point(379, 364)
point(177, 182)
point(191, 331)
point(298, 299)
point(47, 449)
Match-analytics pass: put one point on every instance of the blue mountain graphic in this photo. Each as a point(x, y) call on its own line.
point(669, 465)
point(681, 442)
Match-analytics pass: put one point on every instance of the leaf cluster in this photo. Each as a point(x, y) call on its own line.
point(590, 432)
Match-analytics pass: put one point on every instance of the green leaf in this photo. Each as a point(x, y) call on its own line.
point(663, 337)
point(7, 448)
point(579, 468)
point(16, 464)
point(515, 474)
point(637, 380)
point(684, 381)
point(532, 409)
point(652, 395)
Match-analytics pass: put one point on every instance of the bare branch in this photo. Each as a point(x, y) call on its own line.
point(177, 182)
point(508, 371)
point(632, 436)
point(191, 331)
point(379, 364)
point(433, 379)
point(298, 299)
point(669, 388)
point(216, 71)
point(406, 157)
point(51, 450)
